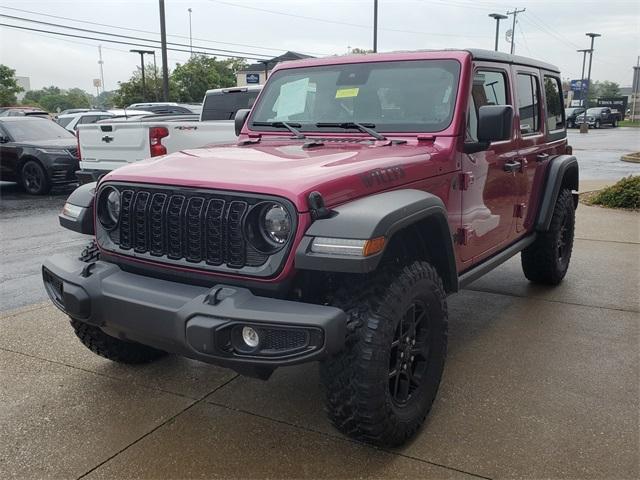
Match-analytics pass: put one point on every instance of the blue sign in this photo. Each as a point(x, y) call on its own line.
point(253, 78)
point(579, 85)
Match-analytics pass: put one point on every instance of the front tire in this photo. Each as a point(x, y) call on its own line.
point(34, 179)
point(546, 260)
point(380, 388)
point(597, 124)
point(105, 345)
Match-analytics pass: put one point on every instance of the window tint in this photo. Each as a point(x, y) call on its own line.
point(224, 105)
point(553, 93)
point(489, 88)
point(528, 103)
point(63, 122)
point(36, 129)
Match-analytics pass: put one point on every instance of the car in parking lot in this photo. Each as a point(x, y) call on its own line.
point(73, 120)
point(37, 153)
point(361, 192)
point(23, 112)
point(598, 116)
point(571, 114)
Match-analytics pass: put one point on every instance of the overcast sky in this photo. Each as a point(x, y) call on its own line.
point(550, 30)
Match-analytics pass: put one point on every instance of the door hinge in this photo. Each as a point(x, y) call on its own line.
point(463, 235)
point(466, 180)
point(519, 209)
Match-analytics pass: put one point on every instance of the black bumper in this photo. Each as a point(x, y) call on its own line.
point(197, 322)
point(88, 176)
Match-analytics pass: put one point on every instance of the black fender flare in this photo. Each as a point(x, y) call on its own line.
point(81, 197)
point(380, 215)
point(563, 172)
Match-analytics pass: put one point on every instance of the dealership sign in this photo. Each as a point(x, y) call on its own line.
point(253, 78)
point(579, 85)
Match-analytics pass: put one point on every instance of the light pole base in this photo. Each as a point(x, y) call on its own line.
point(584, 128)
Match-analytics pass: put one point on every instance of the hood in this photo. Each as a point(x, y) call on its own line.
point(62, 143)
point(339, 170)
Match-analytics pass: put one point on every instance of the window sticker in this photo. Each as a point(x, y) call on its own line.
point(347, 92)
point(293, 98)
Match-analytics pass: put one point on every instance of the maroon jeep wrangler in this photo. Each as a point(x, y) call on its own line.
point(361, 192)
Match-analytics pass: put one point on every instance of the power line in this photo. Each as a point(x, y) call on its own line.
point(59, 17)
point(338, 22)
point(57, 25)
point(118, 41)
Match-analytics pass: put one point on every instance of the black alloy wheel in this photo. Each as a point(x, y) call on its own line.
point(34, 178)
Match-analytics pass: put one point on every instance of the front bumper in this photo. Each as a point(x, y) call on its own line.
point(197, 322)
point(88, 176)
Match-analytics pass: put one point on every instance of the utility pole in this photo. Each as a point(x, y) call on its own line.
point(165, 67)
point(584, 60)
point(584, 126)
point(100, 62)
point(190, 36)
point(498, 17)
point(635, 89)
point(142, 54)
point(375, 26)
point(513, 28)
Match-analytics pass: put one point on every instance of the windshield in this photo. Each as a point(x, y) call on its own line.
point(571, 111)
point(36, 129)
point(592, 111)
point(404, 96)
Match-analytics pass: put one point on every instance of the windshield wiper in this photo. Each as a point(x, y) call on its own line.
point(292, 127)
point(363, 127)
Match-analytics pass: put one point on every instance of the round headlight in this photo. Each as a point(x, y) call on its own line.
point(276, 223)
point(109, 207)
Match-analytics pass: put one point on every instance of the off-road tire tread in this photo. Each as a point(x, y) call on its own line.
point(351, 404)
point(112, 348)
point(539, 260)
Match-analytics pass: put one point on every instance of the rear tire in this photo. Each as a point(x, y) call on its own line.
point(614, 124)
point(105, 345)
point(34, 178)
point(547, 259)
point(380, 388)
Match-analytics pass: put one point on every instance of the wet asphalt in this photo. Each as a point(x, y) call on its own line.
point(29, 229)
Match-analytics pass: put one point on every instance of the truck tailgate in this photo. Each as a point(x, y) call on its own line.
point(113, 144)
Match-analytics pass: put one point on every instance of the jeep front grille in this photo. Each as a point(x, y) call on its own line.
point(185, 225)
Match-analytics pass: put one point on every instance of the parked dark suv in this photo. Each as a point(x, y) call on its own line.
point(362, 191)
point(37, 153)
point(598, 116)
point(571, 114)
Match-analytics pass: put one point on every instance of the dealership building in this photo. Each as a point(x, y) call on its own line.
point(257, 73)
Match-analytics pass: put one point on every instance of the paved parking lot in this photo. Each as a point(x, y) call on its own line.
point(539, 383)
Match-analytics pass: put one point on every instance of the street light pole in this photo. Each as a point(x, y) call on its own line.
point(375, 26)
point(584, 60)
point(165, 66)
point(142, 54)
point(498, 17)
point(584, 127)
point(190, 36)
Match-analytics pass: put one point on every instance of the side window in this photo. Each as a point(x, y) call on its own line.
point(553, 94)
point(489, 88)
point(88, 119)
point(529, 103)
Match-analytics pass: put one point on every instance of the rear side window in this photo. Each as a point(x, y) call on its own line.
point(88, 119)
point(489, 88)
point(63, 122)
point(555, 111)
point(224, 105)
point(529, 103)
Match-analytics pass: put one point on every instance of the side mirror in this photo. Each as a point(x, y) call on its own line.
point(241, 117)
point(495, 123)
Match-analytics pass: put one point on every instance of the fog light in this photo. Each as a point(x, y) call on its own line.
point(250, 337)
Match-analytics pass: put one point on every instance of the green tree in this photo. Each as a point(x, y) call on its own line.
point(131, 91)
point(608, 89)
point(55, 99)
point(201, 73)
point(8, 86)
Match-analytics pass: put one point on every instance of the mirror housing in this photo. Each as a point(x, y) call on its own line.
point(495, 123)
point(241, 117)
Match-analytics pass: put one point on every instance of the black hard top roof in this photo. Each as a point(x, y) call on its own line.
point(492, 56)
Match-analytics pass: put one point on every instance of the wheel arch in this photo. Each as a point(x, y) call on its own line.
point(562, 173)
point(410, 220)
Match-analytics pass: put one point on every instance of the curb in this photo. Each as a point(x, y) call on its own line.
point(631, 157)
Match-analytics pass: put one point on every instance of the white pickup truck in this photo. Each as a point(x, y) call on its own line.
point(109, 144)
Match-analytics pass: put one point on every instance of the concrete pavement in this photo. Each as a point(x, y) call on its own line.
point(539, 383)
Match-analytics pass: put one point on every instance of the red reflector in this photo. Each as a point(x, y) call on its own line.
point(156, 134)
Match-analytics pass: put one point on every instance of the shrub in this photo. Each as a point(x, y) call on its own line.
point(624, 194)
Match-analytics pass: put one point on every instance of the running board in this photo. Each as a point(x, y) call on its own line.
point(498, 259)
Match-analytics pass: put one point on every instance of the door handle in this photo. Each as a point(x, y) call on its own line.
point(541, 157)
point(512, 166)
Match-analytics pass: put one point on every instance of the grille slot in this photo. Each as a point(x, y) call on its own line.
point(196, 226)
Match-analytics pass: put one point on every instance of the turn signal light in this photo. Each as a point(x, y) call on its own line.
point(373, 246)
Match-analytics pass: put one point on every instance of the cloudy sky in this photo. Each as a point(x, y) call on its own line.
point(551, 30)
